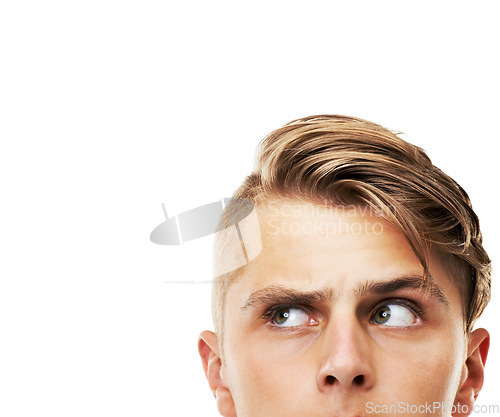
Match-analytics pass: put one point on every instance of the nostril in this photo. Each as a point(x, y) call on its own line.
point(330, 380)
point(358, 380)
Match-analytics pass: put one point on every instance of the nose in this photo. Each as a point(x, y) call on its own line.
point(347, 363)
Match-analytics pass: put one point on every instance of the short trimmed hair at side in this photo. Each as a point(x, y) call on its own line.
point(346, 161)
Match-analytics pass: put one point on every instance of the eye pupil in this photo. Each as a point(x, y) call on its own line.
point(281, 315)
point(382, 315)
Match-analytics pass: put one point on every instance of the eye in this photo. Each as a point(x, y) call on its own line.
point(290, 317)
point(394, 315)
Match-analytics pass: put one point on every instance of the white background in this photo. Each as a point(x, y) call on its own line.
point(110, 108)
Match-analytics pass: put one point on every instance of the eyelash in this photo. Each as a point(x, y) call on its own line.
point(269, 314)
point(413, 306)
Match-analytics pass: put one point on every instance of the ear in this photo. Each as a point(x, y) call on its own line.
point(472, 378)
point(208, 348)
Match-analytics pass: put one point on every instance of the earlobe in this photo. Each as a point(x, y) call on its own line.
point(473, 372)
point(208, 348)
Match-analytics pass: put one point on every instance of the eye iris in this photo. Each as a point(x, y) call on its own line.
point(383, 314)
point(282, 316)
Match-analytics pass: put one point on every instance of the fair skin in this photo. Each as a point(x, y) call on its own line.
point(329, 320)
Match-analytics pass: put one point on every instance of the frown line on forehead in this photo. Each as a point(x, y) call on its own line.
point(280, 294)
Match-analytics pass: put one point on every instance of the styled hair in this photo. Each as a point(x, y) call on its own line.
point(347, 161)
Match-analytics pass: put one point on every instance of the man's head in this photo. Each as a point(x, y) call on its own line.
point(370, 278)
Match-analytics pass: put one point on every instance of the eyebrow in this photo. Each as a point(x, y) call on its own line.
point(280, 294)
point(408, 281)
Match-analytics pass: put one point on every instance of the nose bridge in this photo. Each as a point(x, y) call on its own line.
point(346, 338)
point(347, 356)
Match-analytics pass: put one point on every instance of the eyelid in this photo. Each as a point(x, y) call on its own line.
point(405, 302)
point(271, 311)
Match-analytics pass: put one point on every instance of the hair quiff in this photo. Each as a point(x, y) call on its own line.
point(343, 161)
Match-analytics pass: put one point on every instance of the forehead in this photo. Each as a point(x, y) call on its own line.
point(318, 239)
point(311, 246)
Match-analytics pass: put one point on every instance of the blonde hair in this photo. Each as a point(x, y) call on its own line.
point(349, 161)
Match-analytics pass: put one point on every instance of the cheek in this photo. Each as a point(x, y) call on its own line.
point(267, 376)
point(428, 373)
